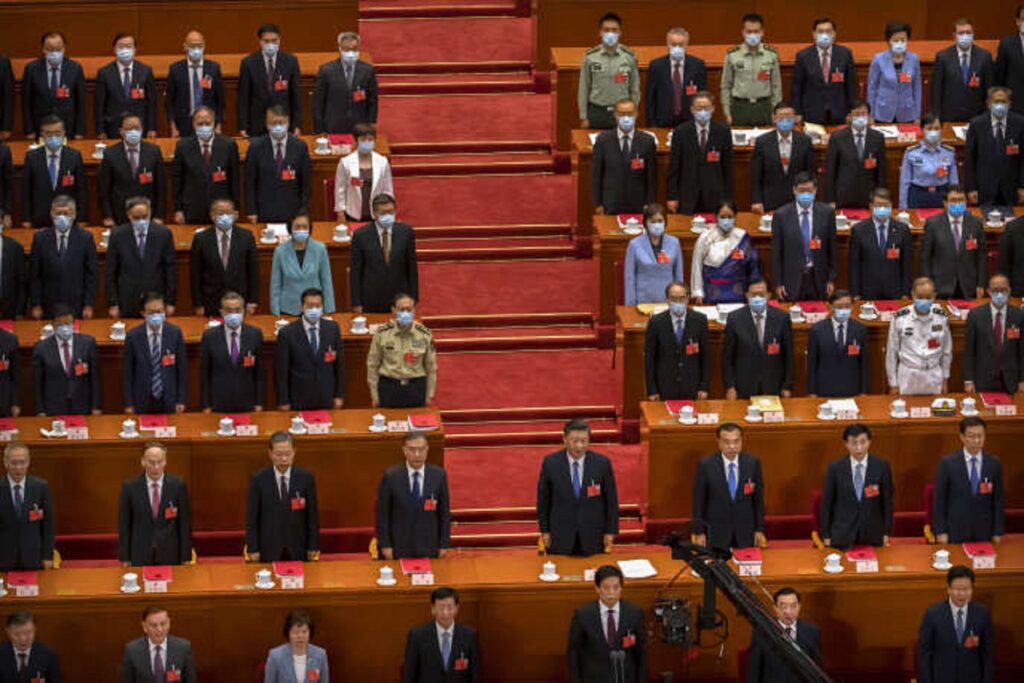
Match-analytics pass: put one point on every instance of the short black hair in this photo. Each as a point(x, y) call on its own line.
point(610, 16)
point(786, 590)
point(301, 213)
point(725, 204)
point(151, 295)
point(858, 103)
point(127, 115)
point(267, 28)
point(653, 209)
point(443, 593)
point(824, 20)
point(361, 130)
point(230, 295)
point(51, 34)
point(279, 110)
point(972, 421)
point(19, 618)
point(119, 36)
point(928, 118)
point(279, 436)
point(894, 27)
point(402, 295)
point(804, 177)
point(783, 104)
point(49, 120)
point(959, 571)
point(150, 610)
point(310, 291)
point(728, 427)
point(415, 435)
point(61, 310)
point(881, 193)
point(298, 617)
point(757, 281)
point(605, 571)
point(382, 199)
point(954, 187)
point(752, 17)
point(838, 294)
point(676, 283)
point(576, 425)
point(855, 430)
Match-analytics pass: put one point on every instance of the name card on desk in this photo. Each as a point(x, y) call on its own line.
point(866, 566)
point(293, 582)
point(707, 418)
point(425, 579)
point(750, 568)
point(247, 430)
point(920, 411)
point(7, 435)
point(1004, 410)
point(25, 584)
point(847, 414)
point(155, 586)
point(318, 427)
point(165, 432)
point(78, 433)
point(774, 416)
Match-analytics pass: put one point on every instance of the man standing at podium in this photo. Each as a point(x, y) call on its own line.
point(763, 665)
point(224, 258)
point(231, 362)
point(66, 376)
point(881, 253)
point(675, 350)
point(757, 355)
point(856, 503)
point(804, 261)
point(309, 360)
point(140, 258)
point(62, 264)
point(49, 171)
point(131, 168)
point(282, 521)
point(728, 495)
point(278, 172)
point(205, 168)
point(954, 643)
point(154, 515)
point(608, 637)
point(26, 514)
point(672, 80)
point(837, 352)
point(53, 85)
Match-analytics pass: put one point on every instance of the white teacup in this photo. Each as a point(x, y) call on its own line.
point(264, 578)
point(340, 231)
point(280, 325)
point(753, 412)
point(323, 145)
point(2, 591)
point(58, 427)
point(969, 405)
point(868, 308)
point(99, 149)
point(105, 237)
point(796, 314)
point(825, 410)
point(940, 558)
point(899, 406)
point(47, 331)
point(130, 582)
point(766, 222)
point(128, 426)
point(298, 424)
point(686, 413)
point(549, 568)
point(117, 329)
point(698, 223)
point(387, 574)
point(833, 561)
point(269, 234)
point(359, 323)
point(379, 420)
point(903, 217)
point(227, 425)
point(842, 222)
point(995, 217)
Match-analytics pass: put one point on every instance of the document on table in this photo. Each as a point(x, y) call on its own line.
point(637, 569)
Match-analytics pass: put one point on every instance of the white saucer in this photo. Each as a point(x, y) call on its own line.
point(355, 331)
point(837, 570)
point(942, 567)
point(990, 224)
point(549, 579)
point(759, 418)
point(264, 588)
point(125, 435)
point(899, 416)
point(119, 337)
point(131, 590)
point(801, 319)
point(377, 430)
point(691, 421)
point(382, 582)
point(97, 156)
point(3, 593)
point(868, 317)
point(633, 231)
point(52, 435)
point(346, 238)
point(762, 229)
point(264, 240)
point(231, 433)
point(973, 413)
point(698, 231)
point(298, 432)
point(827, 419)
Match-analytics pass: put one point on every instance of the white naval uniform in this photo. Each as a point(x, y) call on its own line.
point(919, 351)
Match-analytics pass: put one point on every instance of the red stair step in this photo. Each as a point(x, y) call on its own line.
point(415, 45)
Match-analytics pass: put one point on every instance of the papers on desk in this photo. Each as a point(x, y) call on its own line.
point(844, 408)
point(748, 136)
point(890, 132)
point(960, 132)
point(816, 132)
point(710, 312)
point(637, 569)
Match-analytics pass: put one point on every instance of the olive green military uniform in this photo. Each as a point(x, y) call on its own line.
point(401, 366)
point(606, 77)
point(751, 84)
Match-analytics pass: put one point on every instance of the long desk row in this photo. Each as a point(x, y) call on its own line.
point(522, 622)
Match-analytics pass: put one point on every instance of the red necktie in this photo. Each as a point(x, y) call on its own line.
point(998, 332)
point(610, 629)
point(206, 153)
point(824, 65)
point(677, 89)
point(134, 161)
point(67, 358)
point(154, 499)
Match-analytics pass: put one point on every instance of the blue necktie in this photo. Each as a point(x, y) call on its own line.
point(576, 486)
point(126, 83)
point(54, 170)
point(974, 475)
point(965, 67)
point(732, 480)
point(197, 89)
point(446, 648)
point(679, 330)
point(157, 380)
point(858, 481)
point(841, 337)
point(805, 228)
point(960, 625)
point(53, 80)
point(417, 493)
point(18, 501)
point(881, 237)
point(312, 341)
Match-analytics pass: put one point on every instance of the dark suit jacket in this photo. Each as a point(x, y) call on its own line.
point(55, 392)
point(165, 540)
point(816, 100)
point(43, 663)
point(990, 171)
point(70, 280)
point(658, 100)
point(274, 527)
point(948, 267)
point(305, 381)
point(834, 371)
point(849, 180)
point(137, 371)
point(197, 184)
point(981, 365)
point(130, 275)
point(10, 373)
point(1011, 255)
point(255, 94)
point(336, 107)
point(209, 278)
point(374, 283)
point(876, 273)
point(673, 370)
point(37, 100)
point(404, 523)
point(137, 665)
point(37, 193)
point(765, 666)
point(591, 516)
point(588, 650)
point(622, 185)
point(847, 521)
point(178, 98)
point(747, 365)
point(6, 94)
point(957, 511)
point(728, 523)
point(788, 247)
point(13, 283)
point(112, 104)
point(941, 659)
point(224, 387)
point(1009, 68)
point(692, 179)
point(769, 184)
point(423, 662)
point(6, 181)
point(26, 542)
point(117, 183)
point(267, 193)
point(952, 99)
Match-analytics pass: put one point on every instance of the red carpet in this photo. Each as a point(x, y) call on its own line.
point(486, 200)
point(413, 43)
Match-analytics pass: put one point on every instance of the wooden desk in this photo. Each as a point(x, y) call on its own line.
point(522, 623)
point(795, 454)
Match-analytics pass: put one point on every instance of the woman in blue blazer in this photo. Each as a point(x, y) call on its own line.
point(299, 264)
point(894, 80)
point(653, 260)
point(298, 660)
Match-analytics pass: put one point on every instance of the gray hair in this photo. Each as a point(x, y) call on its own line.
point(345, 36)
point(679, 31)
point(62, 201)
point(132, 202)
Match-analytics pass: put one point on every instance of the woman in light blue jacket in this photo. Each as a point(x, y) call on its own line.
point(299, 264)
point(653, 260)
point(894, 80)
point(298, 660)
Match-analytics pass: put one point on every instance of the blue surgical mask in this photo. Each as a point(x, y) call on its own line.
point(195, 53)
point(1000, 298)
point(62, 223)
point(224, 221)
point(155, 319)
point(133, 137)
point(677, 53)
point(823, 39)
point(752, 39)
point(405, 318)
point(841, 314)
point(678, 308)
point(366, 146)
point(350, 56)
point(278, 131)
point(54, 143)
point(726, 224)
point(933, 137)
point(313, 315)
point(125, 54)
point(922, 306)
point(626, 123)
point(898, 46)
point(233, 320)
point(784, 125)
point(999, 109)
point(859, 122)
point(958, 209)
point(300, 236)
point(64, 332)
point(656, 229)
point(805, 199)
point(965, 40)
point(610, 38)
point(702, 116)
point(141, 225)
point(757, 303)
point(55, 57)
point(204, 133)
point(270, 49)
point(881, 213)
point(386, 220)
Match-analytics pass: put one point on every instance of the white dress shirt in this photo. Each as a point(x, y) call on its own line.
point(614, 610)
point(953, 608)
point(194, 68)
point(151, 334)
point(785, 147)
point(1002, 311)
point(299, 662)
point(572, 460)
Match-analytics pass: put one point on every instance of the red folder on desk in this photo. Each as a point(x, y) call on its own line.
point(856, 214)
point(977, 549)
point(813, 307)
point(415, 565)
point(22, 578)
point(158, 573)
point(675, 406)
point(7, 424)
point(425, 422)
point(240, 418)
point(888, 305)
point(747, 554)
point(342, 140)
point(152, 421)
point(7, 325)
point(995, 398)
point(72, 420)
point(925, 214)
point(288, 569)
point(860, 553)
point(316, 416)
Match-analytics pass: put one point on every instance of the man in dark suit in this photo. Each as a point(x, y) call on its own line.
point(763, 664)
point(881, 253)
point(154, 515)
point(154, 366)
point(309, 363)
point(1009, 66)
point(6, 98)
point(1011, 255)
point(125, 86)
point(26, 514)
point(413, 506)
point(282, 521)
point(954, 643)
point(224, 259)
point(624, 175)
point(13, 283)
point(962, 75)
point(22, 657)
point(50, 171)
point(231, 362)
point(837, 352)
point(856, 504)
point(192, 83)
point(6, 185)
point(383, 260)
point(140, 259)
point(992, 346)
point(700, 172)
point(52, 84)
point(66, 374)
point(728, 495)
point(605, 626)
point(757, 354)
point(953, 250)
point(442, 651)
point(672, 80)
point(131, 168)
point(993, 156)
point(804, 245)
point(676, 357)
point(268, 78)
point(158, 657)
point(62, 264)
point(577, 499)
point(346, 90)
point(967, 505)
point(278, 173)
point(778, 158)
point(205, 168)
point(854, 161)
point(824, 78)
point(10, 375)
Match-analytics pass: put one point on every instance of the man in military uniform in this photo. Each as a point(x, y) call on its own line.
point(401, 366)
point(920, 347)
point(751, 80)
point(609, 73)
